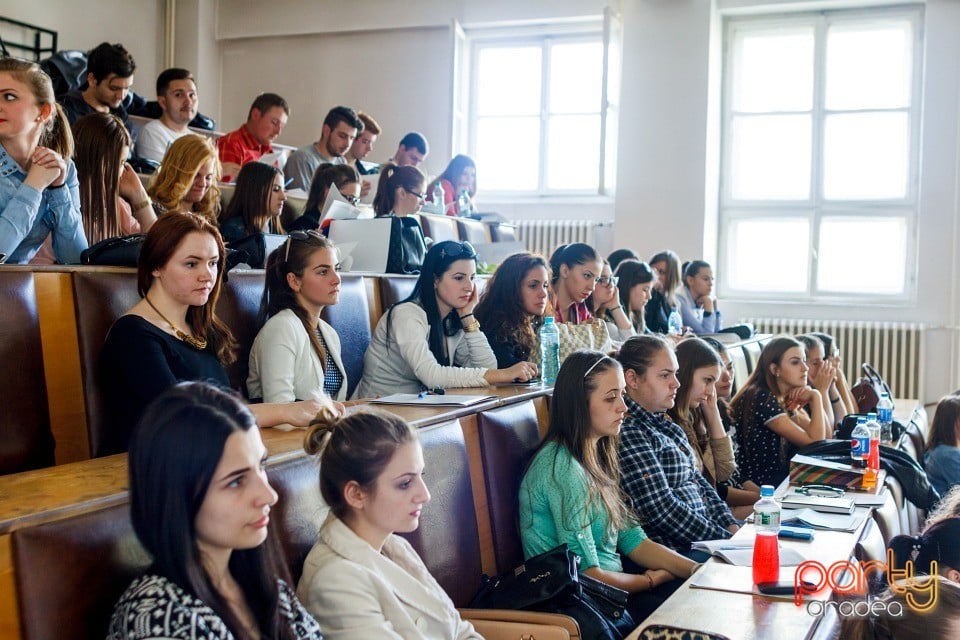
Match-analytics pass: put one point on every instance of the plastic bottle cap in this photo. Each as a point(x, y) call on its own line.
point(548, 320)
point(766, 491)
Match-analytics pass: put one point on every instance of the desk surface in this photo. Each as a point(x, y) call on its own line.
point(33, 497)
point(742, 616)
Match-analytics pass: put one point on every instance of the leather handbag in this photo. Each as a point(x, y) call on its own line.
point(121, 251)
point(868, 389)
point(667, 632)
point(407, 245)
point(257, 246)
point(551, 583)
point(593, 336)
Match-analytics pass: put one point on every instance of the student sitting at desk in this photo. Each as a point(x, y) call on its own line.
point(942, 457)
point(769, 416)
point(187, 180)
point(432, 338)
point(296, 355)
point(513, 304)
point(173, 334)
point(635, 288)
point(698, 306)
point(361, 580)
point(39, 195)
point(697, 410)
point(113, 200)
point(570, 494)
point(400, 191)
point(256, 204)
point(674, 502)
point(200, 504)
point(348, 184)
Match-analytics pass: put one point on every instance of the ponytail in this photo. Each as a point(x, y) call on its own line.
point(56, 134)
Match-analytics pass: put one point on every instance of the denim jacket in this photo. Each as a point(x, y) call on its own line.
point(28, 216)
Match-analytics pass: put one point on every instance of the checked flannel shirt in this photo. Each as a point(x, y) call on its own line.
point(675, 504)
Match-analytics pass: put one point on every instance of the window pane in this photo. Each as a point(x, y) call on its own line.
point(770, 157)
point(508, 81)
point(768, 255)
point(576, 73)
point(868, 68)
point(774, 71)
point(508, 149)
point(574, 152)
point(866, 255)
point(866, 156)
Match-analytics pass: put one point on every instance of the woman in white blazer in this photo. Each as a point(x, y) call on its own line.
point(296, 355)
point(361, 580)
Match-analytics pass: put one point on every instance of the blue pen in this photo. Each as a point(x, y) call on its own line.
point(288, 183)
point(423, 394)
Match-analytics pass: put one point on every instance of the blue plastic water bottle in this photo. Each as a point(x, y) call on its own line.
point(549, 351)
point(885, 417)
point(675, 323)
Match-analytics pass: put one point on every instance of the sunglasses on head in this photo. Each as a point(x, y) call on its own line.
point(299, 235)
point(458, 250)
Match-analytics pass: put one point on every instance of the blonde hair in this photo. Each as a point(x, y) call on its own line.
point(178, 170)
point(56, 133)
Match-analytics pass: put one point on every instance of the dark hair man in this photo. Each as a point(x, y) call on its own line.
point(177, 97)
point(339, 130)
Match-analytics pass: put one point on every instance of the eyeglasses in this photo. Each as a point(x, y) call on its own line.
point(354, 200)
point(594, 365)
point(608, 281)
point(420, 196)
point(300, 235)
point(458, 250)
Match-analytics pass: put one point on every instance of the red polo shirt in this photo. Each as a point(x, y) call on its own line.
point(240, 148)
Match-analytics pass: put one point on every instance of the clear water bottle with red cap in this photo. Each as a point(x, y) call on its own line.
point(766, 549)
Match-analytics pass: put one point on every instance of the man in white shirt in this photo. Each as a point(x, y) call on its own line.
point(177, 96)
point(340, 128)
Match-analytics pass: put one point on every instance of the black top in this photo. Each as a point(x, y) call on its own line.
point(138, 362)
point(657, 313)
point(75, 107)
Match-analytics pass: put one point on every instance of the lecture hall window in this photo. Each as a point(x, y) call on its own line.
point(819, 176)
point(541, 107)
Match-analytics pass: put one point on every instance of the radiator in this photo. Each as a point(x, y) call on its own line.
point(544, 236)
point(894, 349)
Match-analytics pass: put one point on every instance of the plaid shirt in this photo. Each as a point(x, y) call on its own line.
point(675, 504)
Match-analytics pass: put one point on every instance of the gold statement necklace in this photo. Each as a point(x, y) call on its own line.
point(197, 343)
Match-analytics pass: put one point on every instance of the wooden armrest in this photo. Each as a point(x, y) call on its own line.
point(507, 624)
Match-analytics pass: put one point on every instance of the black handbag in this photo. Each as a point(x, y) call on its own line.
point(868, 389)
point(121, 251)
point(257, 247)
point(407, 246)
point(551, 583)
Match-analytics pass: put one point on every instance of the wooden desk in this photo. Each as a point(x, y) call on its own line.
point(34, 497)
point(745, 616)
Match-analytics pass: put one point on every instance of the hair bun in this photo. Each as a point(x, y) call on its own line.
point(320, 430)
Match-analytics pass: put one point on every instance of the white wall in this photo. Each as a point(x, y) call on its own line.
point(136, 24)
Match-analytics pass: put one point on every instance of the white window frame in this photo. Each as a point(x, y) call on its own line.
point(604, 29)
point(816, 208)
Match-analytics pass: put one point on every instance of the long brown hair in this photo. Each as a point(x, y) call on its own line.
point(570, 426)
point(179, 168)
point(294, 258)
point(692, 354)
point(501, 305)
point(161, 243)
point(943, 430)
point(762, 378)
point(673, 280)
point(100, 139)
point(251, 198)
point(56, 130)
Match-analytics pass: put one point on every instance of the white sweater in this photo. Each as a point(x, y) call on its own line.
point(408, 365)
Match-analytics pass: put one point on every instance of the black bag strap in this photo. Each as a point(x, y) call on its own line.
point(874, 376)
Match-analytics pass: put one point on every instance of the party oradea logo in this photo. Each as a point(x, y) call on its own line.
point(849, 580)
